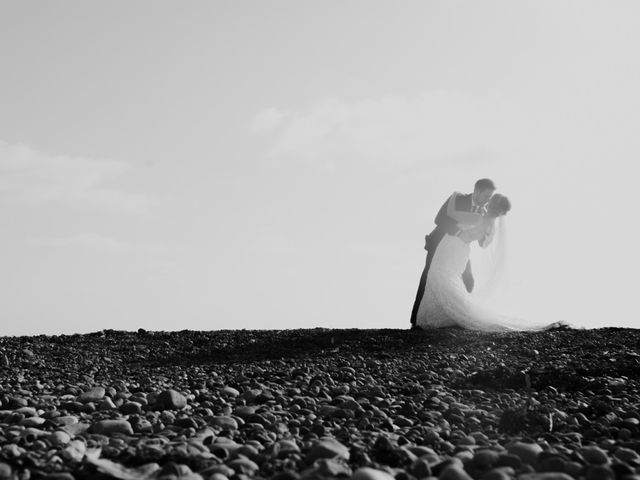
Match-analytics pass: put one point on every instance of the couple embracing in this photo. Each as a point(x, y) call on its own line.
point(445, 296)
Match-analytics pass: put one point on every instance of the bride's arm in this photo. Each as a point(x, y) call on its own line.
point(482, 233)
point(487, 238)
point(465, 218)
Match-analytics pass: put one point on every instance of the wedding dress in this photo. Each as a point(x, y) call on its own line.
point(447, 303)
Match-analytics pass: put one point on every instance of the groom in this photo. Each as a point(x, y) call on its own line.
point(450, 223)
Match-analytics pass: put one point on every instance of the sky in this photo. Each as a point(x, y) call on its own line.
point(267, 165)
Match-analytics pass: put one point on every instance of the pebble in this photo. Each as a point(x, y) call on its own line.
point(627, 455)
point(367, 473)
point(327, 448)
point(106, 404)
point(74, 451)
point(65, 420)
point(594, 455)
point(243, 465)
point(110, 427)
point(485, 458)
point(171, 400)
point(545, 476)
point(509, 460)
point(552, 464)
point(285, 447)
point(500, 473)
point(59, 438)
point(296, 419)
point(527, 452)
point(130, 408)
point(224, 422)
point(573, 468)
point(600, 472)
point(454, 473)
point(420, 468)
point(32, 422)
point(229, 392)
point(94, 395)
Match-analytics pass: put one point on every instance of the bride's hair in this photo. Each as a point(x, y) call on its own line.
point(498, 205)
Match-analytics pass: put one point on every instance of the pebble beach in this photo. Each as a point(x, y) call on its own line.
point(316, 404)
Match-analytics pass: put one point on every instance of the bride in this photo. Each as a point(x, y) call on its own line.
point(446, 302)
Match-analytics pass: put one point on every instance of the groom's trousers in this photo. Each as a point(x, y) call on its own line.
point(431, 244)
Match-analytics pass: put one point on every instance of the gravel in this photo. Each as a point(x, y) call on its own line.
point(314, 404)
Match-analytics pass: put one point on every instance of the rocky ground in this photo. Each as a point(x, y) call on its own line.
point(315, 404)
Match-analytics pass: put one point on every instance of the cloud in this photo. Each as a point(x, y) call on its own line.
point(33, 177)
point(87, 240)
point(267, 120)
point(390, 131)
point(95, 242)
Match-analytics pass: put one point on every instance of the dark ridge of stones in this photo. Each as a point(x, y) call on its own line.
point(320, 403)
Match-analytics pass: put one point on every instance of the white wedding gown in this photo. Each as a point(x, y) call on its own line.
point(446, 302)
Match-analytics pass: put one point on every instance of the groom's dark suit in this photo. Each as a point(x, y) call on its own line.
point(444, 224)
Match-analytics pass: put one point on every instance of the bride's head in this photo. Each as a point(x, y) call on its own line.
point(498, 205)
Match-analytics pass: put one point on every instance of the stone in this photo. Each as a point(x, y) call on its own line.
point(130, 408)
point(106, 404)
point(594, 455)
point(440, 467)
point(5, 470)
point(94, 395)
point(527, 452)
point(627, 455)
point(454, 473)
point(573, 468)
point(327, 448)
point(32, 422)
point(244, 411)
point(509, 460)
point(283, 448)
point(75, 451)
point(500, 473)
point(554, 463)
point(65, 420)
point(243, 465)
point(59, 438)
point(401, 421)
point(217, 476)
point(545, 476)
point(599, 472)
point(229, 392)
point(27, 411)
point(329, 468)
point(110, 427)
point(222, 470)
point(224, 422)
point(171, 400)
point(367, 473)
point(420, 468)
point(485, 458)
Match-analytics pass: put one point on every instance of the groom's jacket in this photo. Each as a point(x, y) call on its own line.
point(444, 223)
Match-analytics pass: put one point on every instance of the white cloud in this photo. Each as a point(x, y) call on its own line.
point(96, 242)
point(389, 131)
point(33, 177)
point(87, 240)
point(267, 120)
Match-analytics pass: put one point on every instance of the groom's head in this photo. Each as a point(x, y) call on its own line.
point(483, 190)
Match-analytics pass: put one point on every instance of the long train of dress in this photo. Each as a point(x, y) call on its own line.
point(447, 303)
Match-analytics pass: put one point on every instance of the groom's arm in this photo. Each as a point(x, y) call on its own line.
point(462, 217)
